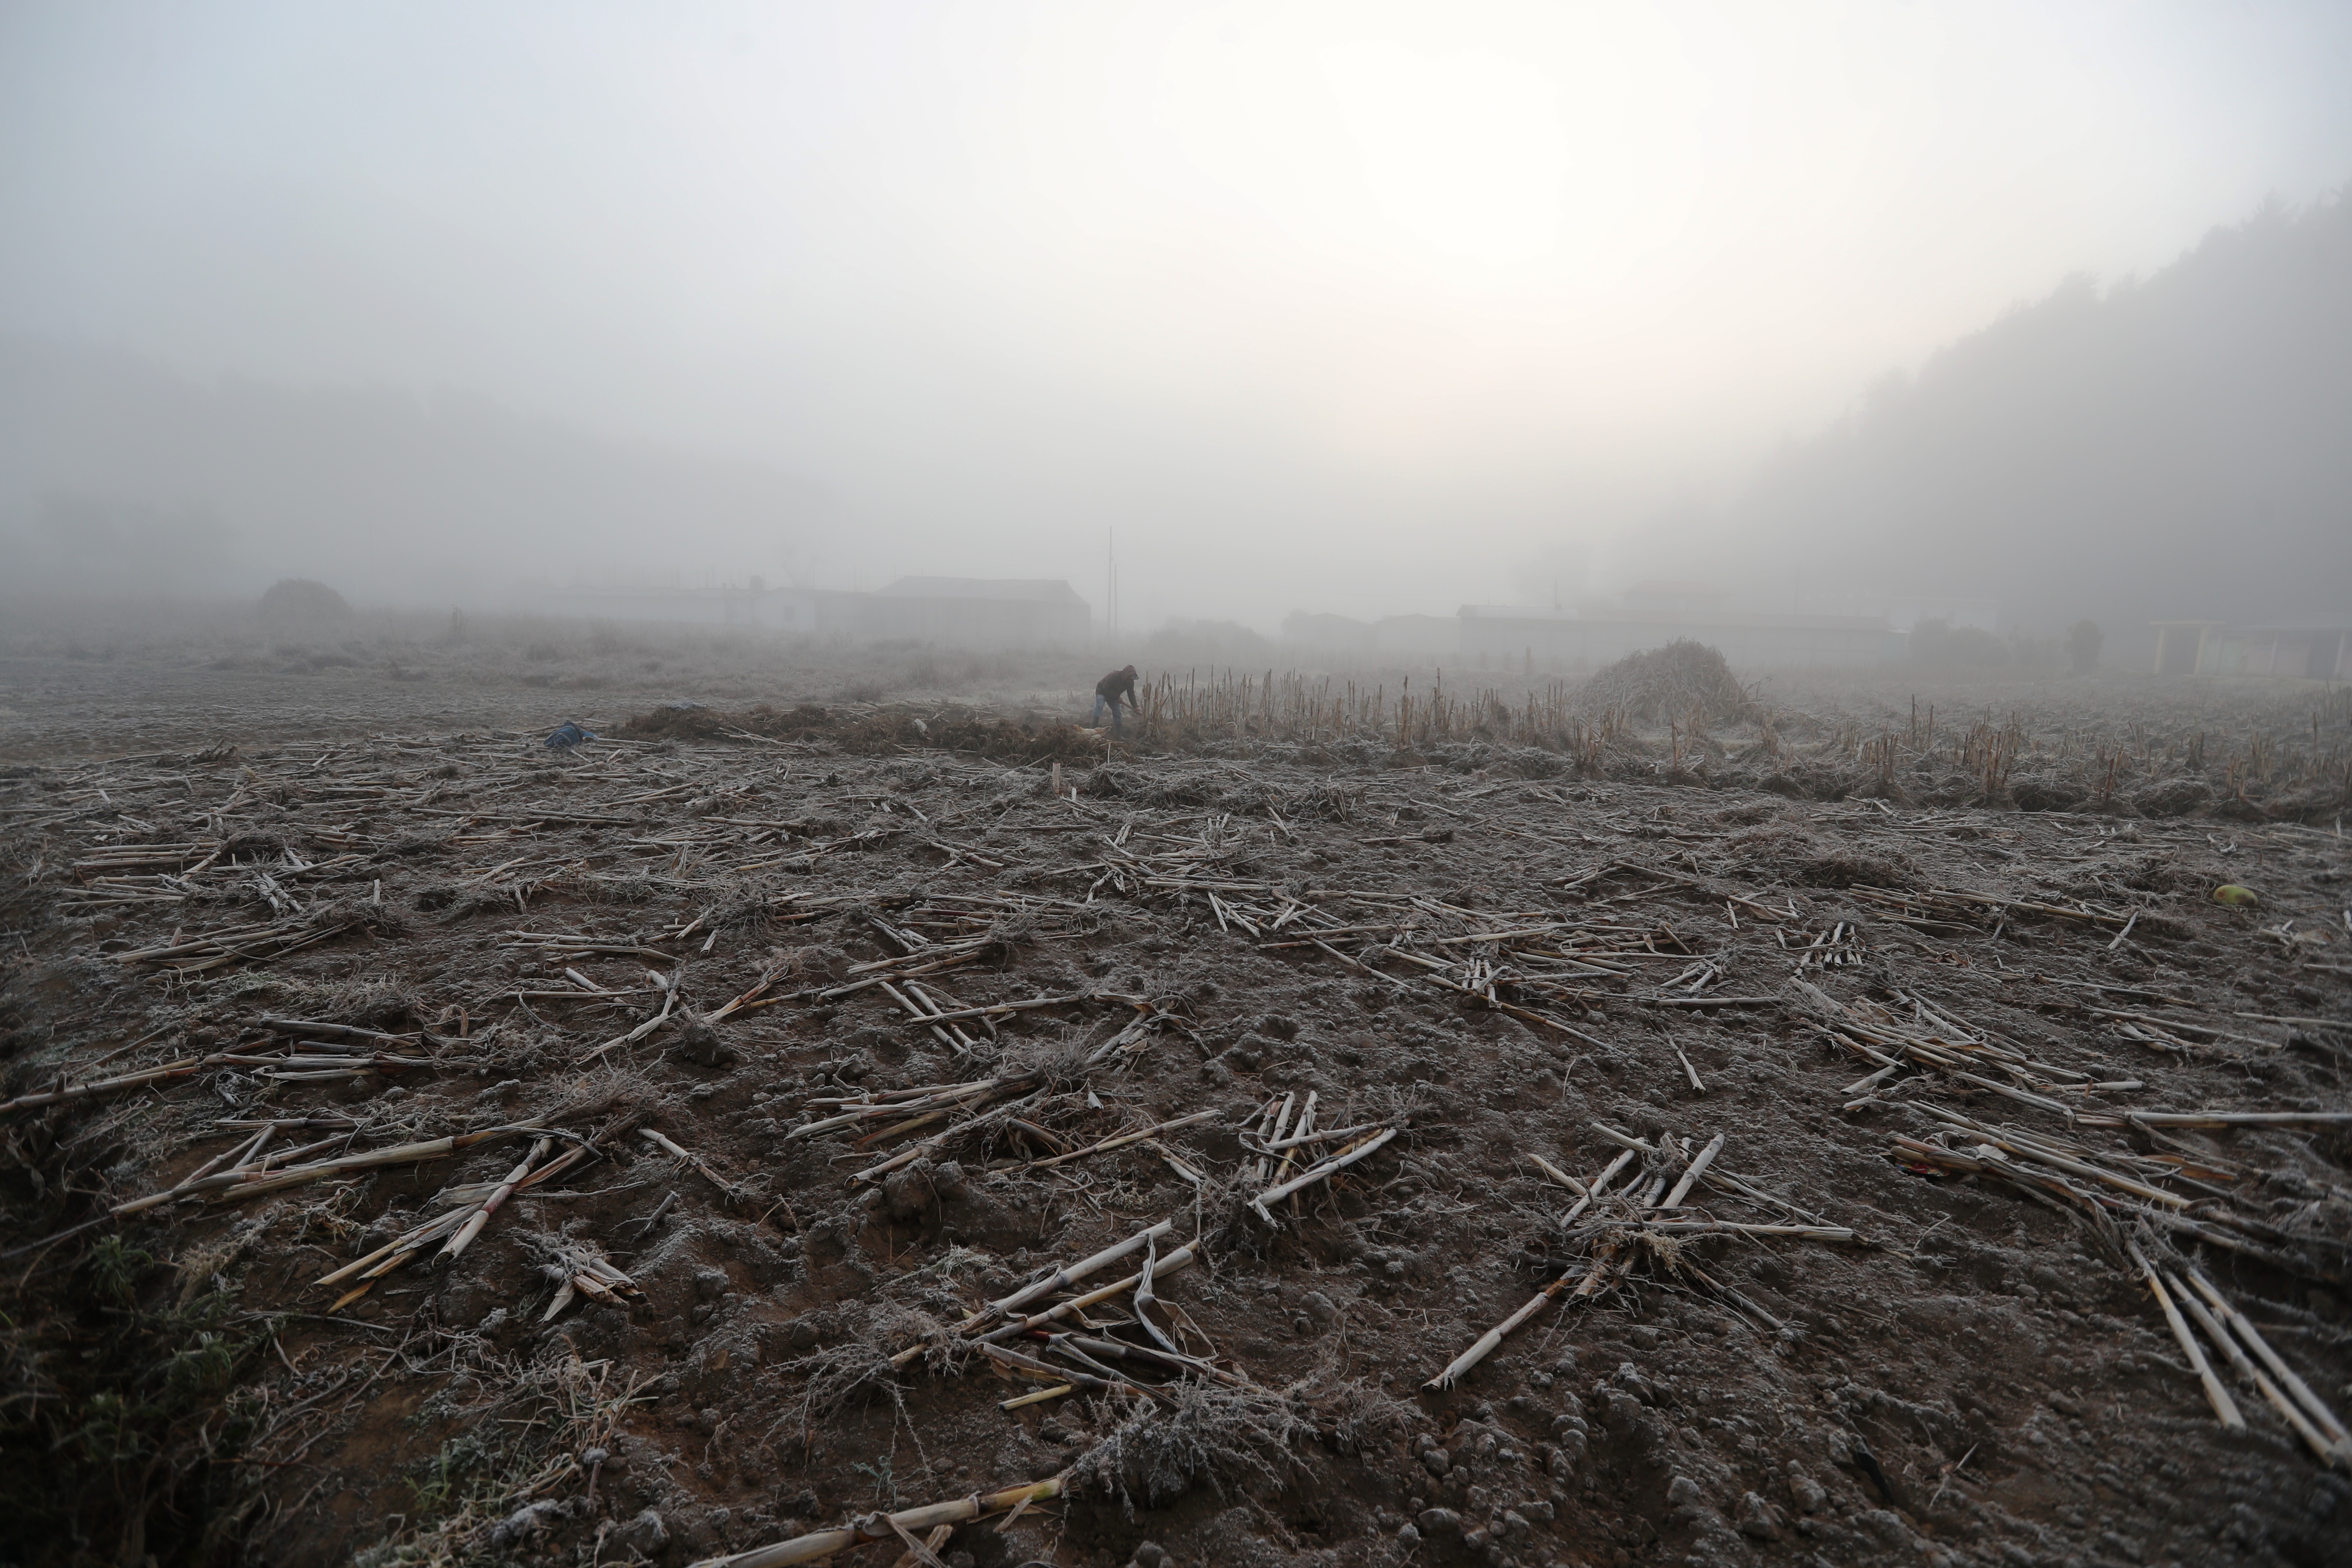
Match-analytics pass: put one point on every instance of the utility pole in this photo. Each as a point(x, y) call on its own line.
point(1110, 584)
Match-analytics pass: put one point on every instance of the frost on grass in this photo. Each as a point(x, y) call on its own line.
point(858, 1370)
point(1228, 1437)
point(1232, 1438)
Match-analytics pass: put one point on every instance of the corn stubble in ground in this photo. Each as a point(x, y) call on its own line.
point(1340, 1126)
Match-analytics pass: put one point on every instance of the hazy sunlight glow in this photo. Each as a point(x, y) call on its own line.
point(1463, 152)
point(1328, 269)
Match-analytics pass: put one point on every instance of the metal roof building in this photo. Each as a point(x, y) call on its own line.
point(2308, 651)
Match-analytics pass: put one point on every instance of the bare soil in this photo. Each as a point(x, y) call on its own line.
point(1945, 1352)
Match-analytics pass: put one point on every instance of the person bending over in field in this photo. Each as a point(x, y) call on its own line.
point(1118, 683)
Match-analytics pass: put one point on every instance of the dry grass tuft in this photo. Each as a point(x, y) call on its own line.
point(1059, 1060)
point(1355, 1414)
point(859, 1368)
point(1228, 1437)
point(1008, 934)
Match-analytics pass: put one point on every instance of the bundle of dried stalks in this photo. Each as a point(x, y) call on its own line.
point(1670, 682)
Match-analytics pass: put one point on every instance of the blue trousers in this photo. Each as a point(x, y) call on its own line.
point(1095, 722)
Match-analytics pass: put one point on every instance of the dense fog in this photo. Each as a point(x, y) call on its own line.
point(1366, 311)
point(2171, 448)
point(129, 475)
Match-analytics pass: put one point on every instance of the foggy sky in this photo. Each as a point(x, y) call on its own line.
point(1353, 306)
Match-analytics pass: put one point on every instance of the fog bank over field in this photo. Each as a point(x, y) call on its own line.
point(1371, 311)
point(2172, 448)
point(116, 473)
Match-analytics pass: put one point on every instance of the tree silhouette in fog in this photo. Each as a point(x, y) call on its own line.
point(2171, 447)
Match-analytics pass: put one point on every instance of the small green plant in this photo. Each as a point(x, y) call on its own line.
point(113, 1429)
point(442, 1480)
point(115, 1270)
point(199, 1368)
point(886, 1484)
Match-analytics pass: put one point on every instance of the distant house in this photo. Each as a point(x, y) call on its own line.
point(977, 612)
point(2308, 651)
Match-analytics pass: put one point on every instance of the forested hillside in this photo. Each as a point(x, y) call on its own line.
point(2180, 446)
